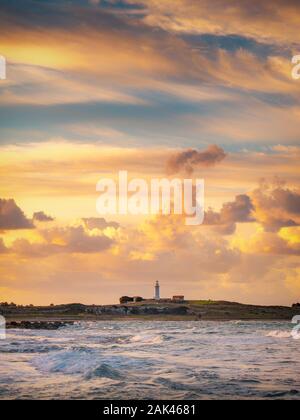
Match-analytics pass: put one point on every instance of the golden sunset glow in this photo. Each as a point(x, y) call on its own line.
point(94, 88)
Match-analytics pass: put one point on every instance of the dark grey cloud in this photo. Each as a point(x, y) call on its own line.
point(40, 216)
point(12, 217)
point(239, 211)
point(66, 15)
point(276, 207)
point(273, 207)
point(189, 160)
point(287, 200)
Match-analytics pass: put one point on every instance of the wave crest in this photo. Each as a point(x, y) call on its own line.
point(279, 334)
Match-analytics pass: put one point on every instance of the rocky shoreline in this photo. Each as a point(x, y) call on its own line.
point(38, 325)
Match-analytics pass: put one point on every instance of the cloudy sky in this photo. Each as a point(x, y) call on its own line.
point(155, 88)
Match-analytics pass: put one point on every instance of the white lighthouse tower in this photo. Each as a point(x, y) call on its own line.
point(157, 291)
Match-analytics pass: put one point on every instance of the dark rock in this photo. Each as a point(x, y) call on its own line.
point(37, 325)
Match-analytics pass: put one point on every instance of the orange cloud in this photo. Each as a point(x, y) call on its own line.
point(67, 65)
point(276, 207)
point(3, 248)
point(162, 247)
point(248, 248)
point(62, 175)
point(241, 17)
point(268, 243)
point(62, 240)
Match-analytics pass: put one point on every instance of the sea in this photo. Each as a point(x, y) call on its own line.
point(152, 361)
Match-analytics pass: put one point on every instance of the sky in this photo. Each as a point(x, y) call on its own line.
point(157, 88)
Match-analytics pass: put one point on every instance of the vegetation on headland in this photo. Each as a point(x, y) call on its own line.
point(146, 311)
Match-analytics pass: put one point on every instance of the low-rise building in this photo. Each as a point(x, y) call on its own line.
point(178, 299)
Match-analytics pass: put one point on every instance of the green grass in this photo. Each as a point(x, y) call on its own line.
point(201, 302)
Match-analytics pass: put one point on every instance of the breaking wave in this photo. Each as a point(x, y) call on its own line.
point(279, 334)
point(147, 339)
point(105, 371)
point(152, 360)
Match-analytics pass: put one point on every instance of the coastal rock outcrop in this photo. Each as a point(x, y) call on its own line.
point(138, 310)
point(37, 325)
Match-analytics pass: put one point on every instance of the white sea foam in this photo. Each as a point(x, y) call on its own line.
point(279, 334)
point(147, 339)
point(152, 360)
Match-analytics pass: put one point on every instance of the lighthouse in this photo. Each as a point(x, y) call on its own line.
point(157, 292)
